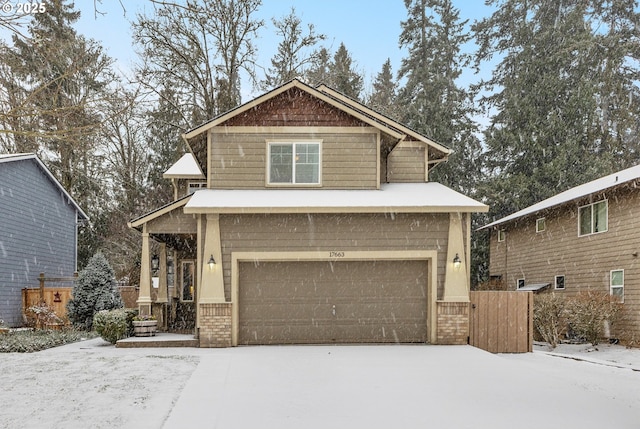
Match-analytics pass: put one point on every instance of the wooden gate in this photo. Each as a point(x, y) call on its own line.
point(501, 321)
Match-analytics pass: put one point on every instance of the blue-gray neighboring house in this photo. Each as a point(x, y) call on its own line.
point(38, 230)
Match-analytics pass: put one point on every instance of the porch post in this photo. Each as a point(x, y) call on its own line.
point(212, 283)
point(162, 283)
point(456, 282)
point(144, 295)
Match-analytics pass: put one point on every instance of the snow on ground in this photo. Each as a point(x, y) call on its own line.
point(93, 385)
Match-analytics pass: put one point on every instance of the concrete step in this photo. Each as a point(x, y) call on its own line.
point(161, 339)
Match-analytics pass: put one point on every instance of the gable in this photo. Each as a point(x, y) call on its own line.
point(293, 108)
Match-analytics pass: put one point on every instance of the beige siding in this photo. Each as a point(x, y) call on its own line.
point(585, 261)
point(301, 232)
point(349, 161)
point(174, 222)
point(406, 164)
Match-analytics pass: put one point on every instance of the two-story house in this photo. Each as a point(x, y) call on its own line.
point(317, 223)
point(38, 230)
point(586, 238)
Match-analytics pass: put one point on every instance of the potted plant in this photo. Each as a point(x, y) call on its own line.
point(145, 325)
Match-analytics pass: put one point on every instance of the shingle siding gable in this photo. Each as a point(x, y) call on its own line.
point(37, 233)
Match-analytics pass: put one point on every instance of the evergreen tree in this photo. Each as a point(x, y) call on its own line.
point(383, 97)
point(319, 70)
point(565, 73)
point(94, 290)
point(290, 60)
point(343, 76)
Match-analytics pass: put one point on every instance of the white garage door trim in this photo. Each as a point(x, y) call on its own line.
point(429, 256)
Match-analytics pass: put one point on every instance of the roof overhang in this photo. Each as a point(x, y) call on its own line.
point(295, 83)
point(138, 222)
point(428, 197)
point(534, 287)
point(185, 168)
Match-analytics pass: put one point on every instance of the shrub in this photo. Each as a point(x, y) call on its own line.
point(95, 290)
point(27, 341)
point(111, 325)
point(39, 316)
point(549, 317)
point(587, 313)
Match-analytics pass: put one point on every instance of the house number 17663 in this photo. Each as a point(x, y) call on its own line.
point(336, 254)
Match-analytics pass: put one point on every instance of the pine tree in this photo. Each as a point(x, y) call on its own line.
point(561, 85)
point(94, 290)
point(342, 75)
point(383, 97)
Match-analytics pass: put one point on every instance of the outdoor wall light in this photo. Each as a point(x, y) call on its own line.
point(456, 261)
point(211, 262)
point(155, 262)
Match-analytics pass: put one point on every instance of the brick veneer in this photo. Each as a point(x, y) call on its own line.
point(453, 322)
point(215, 325)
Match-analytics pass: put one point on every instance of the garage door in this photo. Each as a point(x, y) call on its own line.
point(332, 302)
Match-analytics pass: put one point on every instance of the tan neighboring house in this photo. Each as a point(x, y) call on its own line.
point(586, 238)
point(303, 216)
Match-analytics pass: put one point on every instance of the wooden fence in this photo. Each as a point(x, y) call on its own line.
point(501, 321)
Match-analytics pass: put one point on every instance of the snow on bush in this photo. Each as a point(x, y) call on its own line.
point(587, 313)
point(95, 290)
point(549, 317)
point(111, 325)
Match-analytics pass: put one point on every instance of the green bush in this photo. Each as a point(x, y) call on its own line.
point(27, 341)
point(587, 313)
point(94, 291)
point(111, 325)
point(549, 317)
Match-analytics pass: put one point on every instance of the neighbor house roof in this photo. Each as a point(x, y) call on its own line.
point(430, 197)
point(598, 185)
point(185, 168)
point(6, 158)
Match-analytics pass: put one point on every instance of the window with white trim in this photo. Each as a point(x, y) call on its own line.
point(593, 218)
point(294, 163)
point(559, 282)
point(616, 284)
point(520, 283)
point(541, 225)
point(501, 235)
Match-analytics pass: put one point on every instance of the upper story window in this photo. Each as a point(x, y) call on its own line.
point(541, 225)
point(194, 186)
point(294, 163)
point(593, 218)
point(501, 235)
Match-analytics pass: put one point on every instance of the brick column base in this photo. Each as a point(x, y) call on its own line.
point(453, 322)
point(215, 325)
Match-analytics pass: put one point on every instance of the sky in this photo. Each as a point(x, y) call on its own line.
point(369, 29)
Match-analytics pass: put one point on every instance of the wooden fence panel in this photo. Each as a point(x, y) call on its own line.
point(56, 298)
point(501, 321)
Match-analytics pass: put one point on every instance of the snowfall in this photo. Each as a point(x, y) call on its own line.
point(92, 384)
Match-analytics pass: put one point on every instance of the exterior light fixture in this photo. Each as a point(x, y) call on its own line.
point(211, 262)
point(456, 261)
point(155, 262)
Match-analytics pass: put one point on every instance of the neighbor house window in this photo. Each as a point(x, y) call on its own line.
point(294, 163)
point(194, 186)
point(520, 283)
point(559, 282)
point(540, 225)
point(501, 235)
point(593, 218)
point(616, 284)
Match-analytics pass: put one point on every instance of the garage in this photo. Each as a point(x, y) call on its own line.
point(337, 301)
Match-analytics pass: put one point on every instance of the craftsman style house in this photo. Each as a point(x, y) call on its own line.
point(38, 230)
point(586, 238)
point(305, 217)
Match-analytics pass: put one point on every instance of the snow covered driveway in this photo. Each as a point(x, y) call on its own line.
point(90, 384)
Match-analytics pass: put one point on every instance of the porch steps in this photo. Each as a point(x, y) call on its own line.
point(161, 339)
